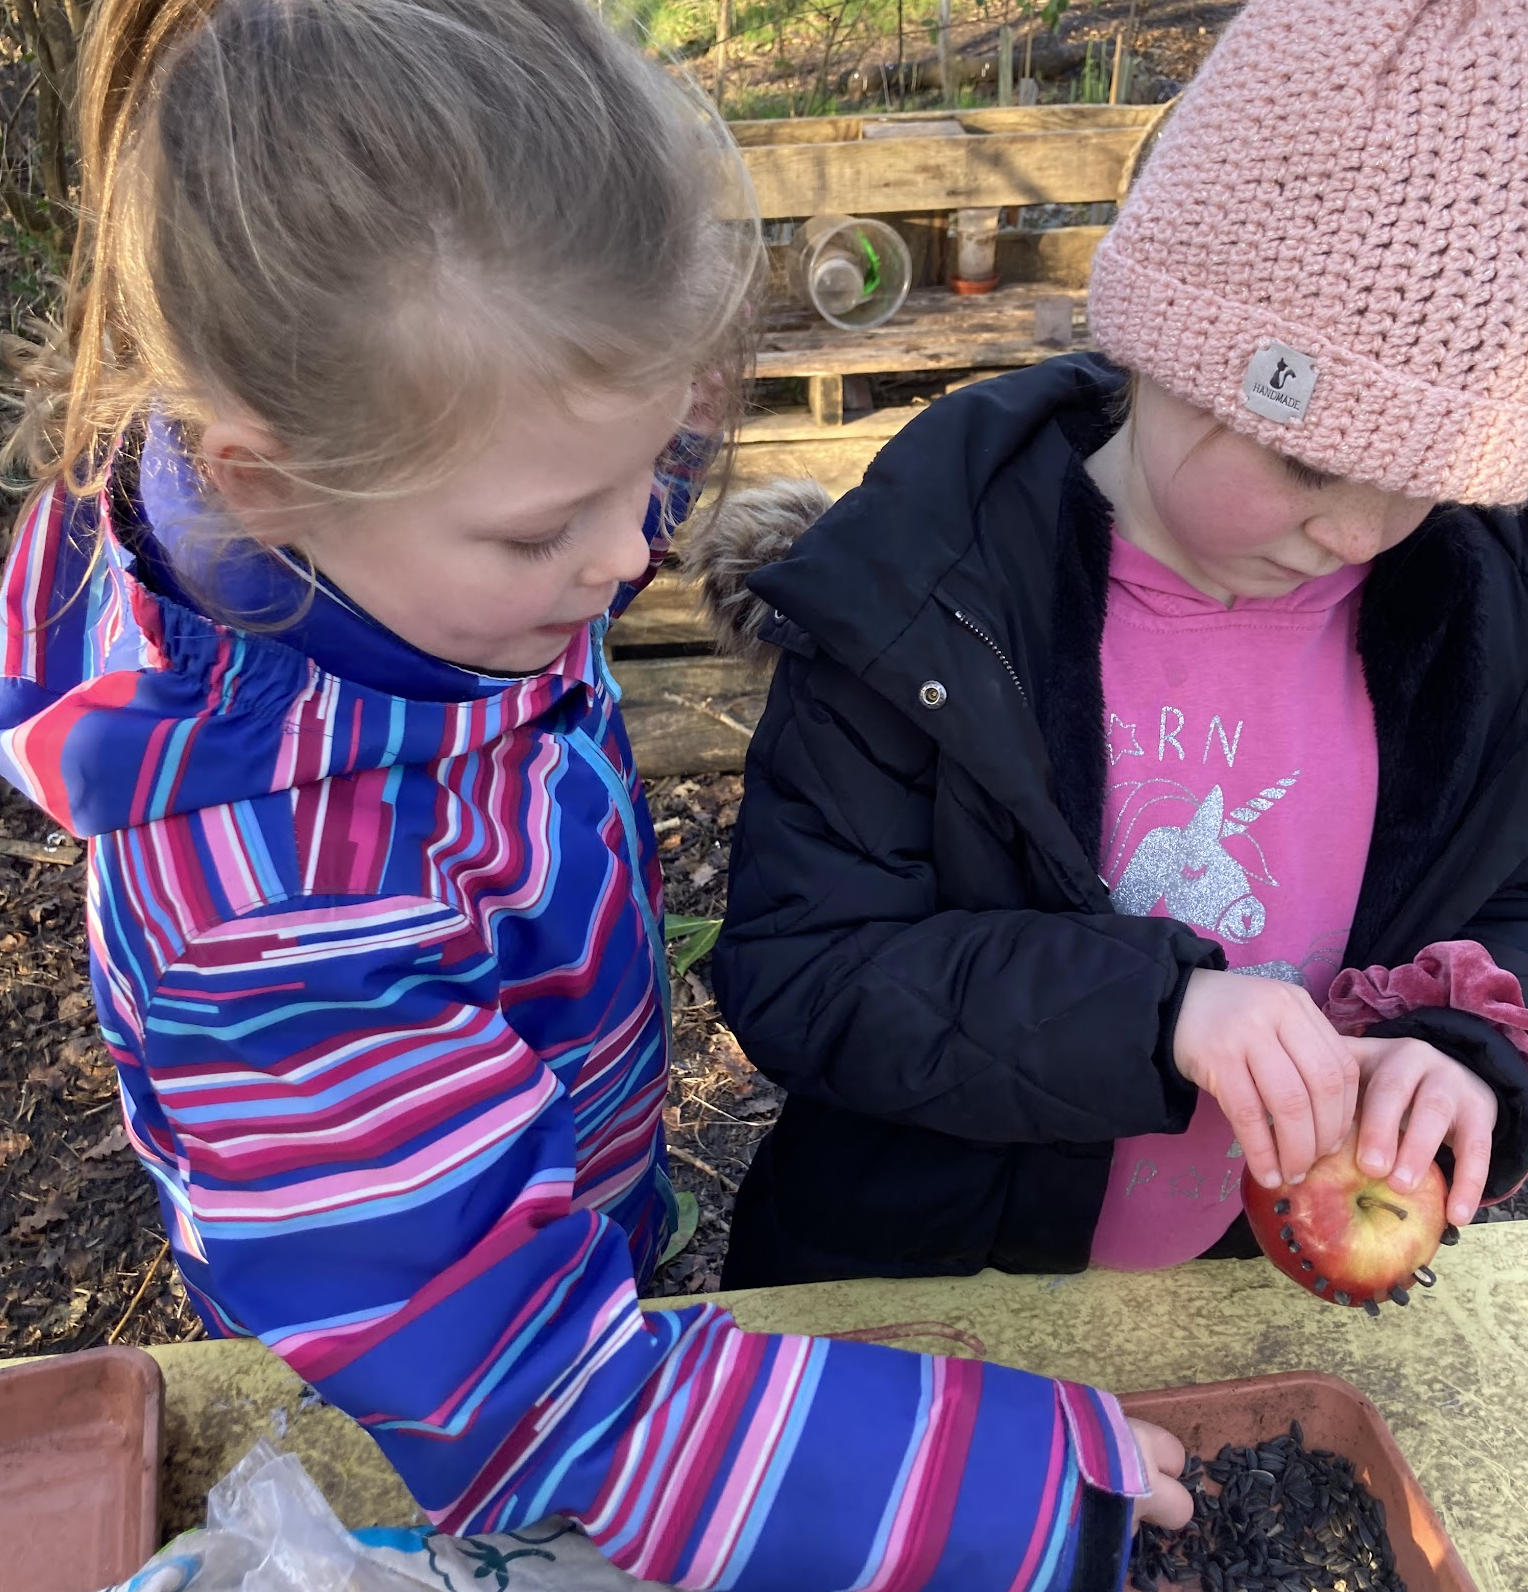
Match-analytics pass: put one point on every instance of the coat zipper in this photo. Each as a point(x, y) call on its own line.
point(976, 630)
point(1013, 674)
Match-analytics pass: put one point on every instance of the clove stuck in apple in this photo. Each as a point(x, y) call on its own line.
point(1347, 1236)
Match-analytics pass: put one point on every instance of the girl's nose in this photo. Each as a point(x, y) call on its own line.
point(1357, 522)
point(1354, 538)
point(621, 551)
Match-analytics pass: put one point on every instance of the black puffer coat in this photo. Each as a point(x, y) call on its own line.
point(918, 946)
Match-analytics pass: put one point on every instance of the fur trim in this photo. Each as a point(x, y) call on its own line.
point(750, 528)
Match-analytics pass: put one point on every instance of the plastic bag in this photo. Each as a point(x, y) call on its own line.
point(269, 1529)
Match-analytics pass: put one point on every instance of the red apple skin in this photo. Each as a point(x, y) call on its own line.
point(1363, 1250)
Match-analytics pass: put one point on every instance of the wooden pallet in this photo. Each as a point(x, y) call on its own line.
point(690, 714)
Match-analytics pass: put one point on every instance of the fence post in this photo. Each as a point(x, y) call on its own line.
point(1005, 65)
point(723, 34)
point(946, 73)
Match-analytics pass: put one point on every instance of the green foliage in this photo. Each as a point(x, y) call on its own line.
point(684, 1231)
point(33, 264)
point(689, 939)
point(1092, 88)
point(685, 28)
point(804, 45)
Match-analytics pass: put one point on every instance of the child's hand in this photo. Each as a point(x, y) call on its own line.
point(1412, 1086)
point(1262, 1048)
point(1168, 1504)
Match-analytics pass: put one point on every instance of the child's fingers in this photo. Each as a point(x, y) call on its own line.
point(1472, 1166)
point(1169, 1504)
point(1284, 1095)
point(1329, 1072)
point(1238, 1097)
point(1387, 1095)
point(1159, 1448)
point(1466, 1110)
point(1427, 1125)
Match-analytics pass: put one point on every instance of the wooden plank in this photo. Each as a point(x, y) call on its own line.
point(924, 234)
point(839, 462)
point(945, 127)
point(935, 330)
point(825, 398)
point(991, 119)
point(690, 715)
point(971, 378)
point(798, 130)
point(664, 615)
point(797, 425)
point(1059, 256)
point(868, 177)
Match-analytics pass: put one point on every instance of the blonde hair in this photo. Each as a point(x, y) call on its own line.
point(363, 221)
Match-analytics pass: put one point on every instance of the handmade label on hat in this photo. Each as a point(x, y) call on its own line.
point(1279, 383)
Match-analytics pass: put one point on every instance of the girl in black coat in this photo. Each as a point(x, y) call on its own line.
point(994, 1037)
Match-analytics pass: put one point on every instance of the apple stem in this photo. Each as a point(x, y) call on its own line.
point(1369, 1201)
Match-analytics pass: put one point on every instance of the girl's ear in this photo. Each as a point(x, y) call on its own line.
point(243, 460)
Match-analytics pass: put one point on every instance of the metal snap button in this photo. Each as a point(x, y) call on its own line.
point(932, 694)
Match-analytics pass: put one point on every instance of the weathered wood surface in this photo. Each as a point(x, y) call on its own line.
point(837, 458)
point(797, 425)
point(689, 715)
point(695, 714)
point(665, 615)
point(870, 176)
point(935, 330)
point(992, 119)
point(1060, 257)
point(825, 398)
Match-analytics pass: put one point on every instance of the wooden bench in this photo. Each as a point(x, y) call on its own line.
point(691, 714)
point(913, 171)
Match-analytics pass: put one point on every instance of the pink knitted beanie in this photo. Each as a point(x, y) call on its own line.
point(1329, 246)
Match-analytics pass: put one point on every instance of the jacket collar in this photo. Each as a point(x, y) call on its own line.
point(935, 582)
point(979, 511)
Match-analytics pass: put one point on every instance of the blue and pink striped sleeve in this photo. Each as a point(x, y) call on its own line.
point(379, 1178)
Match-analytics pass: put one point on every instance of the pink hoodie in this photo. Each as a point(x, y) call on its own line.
point(1240, 800)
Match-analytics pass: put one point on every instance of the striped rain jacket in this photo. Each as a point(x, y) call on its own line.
point(383, 977)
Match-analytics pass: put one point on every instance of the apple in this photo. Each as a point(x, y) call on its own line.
point(1348, 1237)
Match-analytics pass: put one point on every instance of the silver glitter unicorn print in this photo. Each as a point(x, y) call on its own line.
point(1187, 866)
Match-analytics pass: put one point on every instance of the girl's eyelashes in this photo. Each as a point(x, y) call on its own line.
point(1304, 475)
point(547, 547)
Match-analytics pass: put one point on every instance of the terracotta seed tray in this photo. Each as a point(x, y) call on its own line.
point(1333, 1415)
point(79, 1469)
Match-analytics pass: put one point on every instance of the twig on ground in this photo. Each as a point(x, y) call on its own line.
point(143, 1288)
point(36, 851)
point(710, 712)
point(678, 1154)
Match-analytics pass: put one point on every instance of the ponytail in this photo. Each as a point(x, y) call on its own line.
point(66, 370)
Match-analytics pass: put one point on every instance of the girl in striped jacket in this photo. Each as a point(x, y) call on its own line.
point(381, 313)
